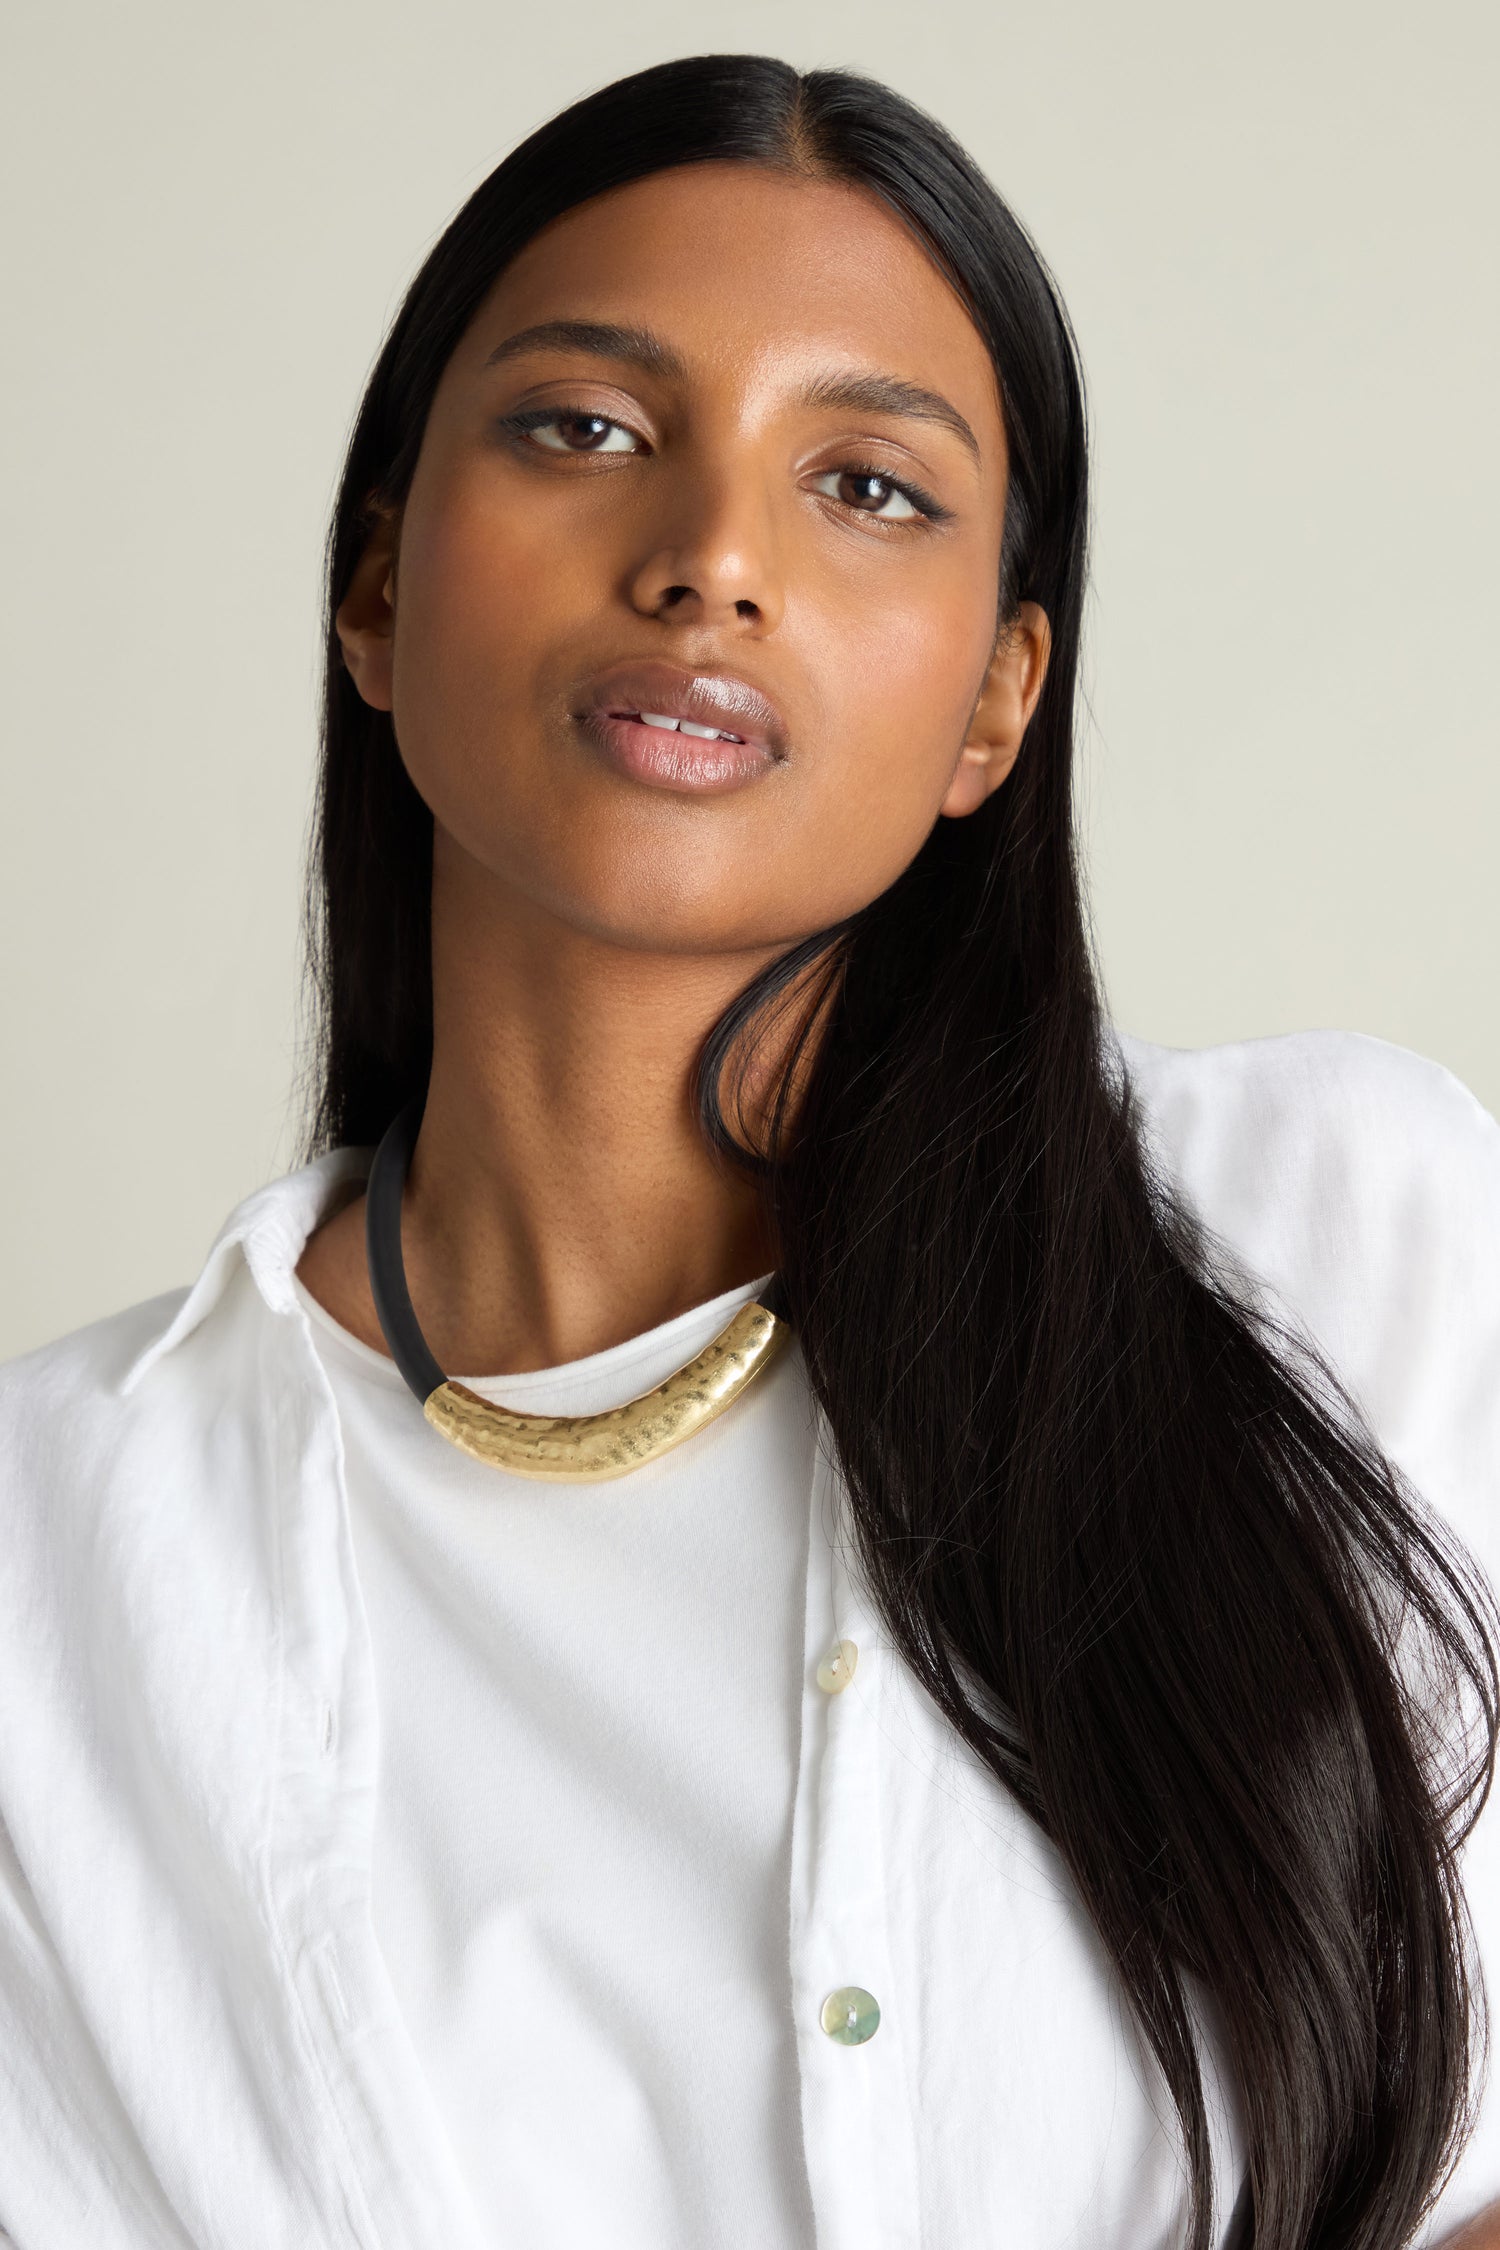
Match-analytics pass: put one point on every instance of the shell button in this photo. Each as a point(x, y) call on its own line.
point(837, 1668)
point(851, 2015)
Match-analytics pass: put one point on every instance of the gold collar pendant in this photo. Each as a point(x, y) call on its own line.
point(560, 1448)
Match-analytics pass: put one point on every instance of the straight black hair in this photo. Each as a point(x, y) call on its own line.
point(1136, 1543)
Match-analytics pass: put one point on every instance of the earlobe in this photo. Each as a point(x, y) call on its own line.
point(365, 620)
point(977, 776)
point(1007, 700)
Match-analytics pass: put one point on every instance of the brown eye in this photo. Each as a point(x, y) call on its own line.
point(869, 494)
point(563, 432)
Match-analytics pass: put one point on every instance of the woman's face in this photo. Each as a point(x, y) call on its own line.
point(721, 446)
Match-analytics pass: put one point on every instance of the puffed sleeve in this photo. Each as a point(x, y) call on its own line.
point(1356, 1187)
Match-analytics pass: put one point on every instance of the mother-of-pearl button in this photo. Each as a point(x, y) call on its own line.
point(851, 2015)
point(837, 1668)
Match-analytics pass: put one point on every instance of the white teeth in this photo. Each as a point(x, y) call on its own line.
point(687, 726)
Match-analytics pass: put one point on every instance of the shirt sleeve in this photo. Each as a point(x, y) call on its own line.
point(1356, 1187)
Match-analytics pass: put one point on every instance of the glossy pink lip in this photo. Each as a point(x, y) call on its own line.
point(750, 733)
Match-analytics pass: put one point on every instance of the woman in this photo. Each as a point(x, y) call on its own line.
point(992, 1753)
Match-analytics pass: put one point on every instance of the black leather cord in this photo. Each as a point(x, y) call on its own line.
point(393, 1307)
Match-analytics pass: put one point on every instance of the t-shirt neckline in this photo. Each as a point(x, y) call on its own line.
point(624, 1369)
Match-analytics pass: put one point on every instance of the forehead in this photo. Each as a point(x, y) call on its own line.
point(740, 266)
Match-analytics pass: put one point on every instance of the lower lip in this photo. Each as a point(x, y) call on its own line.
point(689, 763)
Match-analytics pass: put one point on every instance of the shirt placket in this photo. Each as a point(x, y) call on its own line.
point(852, 2048)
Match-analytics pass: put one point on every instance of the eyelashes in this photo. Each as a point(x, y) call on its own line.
point(594, 435)
point(595, 429)
point(918, 502)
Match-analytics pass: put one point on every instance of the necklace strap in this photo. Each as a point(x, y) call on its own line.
point(393, 1305)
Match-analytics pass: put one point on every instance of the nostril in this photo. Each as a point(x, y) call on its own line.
point(747, 609)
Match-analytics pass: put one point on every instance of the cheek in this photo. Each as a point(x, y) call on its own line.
point(477, 582)
point(900, 680)
point(484, 589)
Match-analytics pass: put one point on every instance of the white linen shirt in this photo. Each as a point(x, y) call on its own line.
point(199, 2040)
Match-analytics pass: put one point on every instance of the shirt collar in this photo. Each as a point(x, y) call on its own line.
point(269, 1230)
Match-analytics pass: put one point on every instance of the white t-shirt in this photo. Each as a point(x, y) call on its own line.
point(202, 2040)
point(589, 1701)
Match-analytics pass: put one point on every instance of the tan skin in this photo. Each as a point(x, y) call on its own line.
point(589, 927)
point(714, 510)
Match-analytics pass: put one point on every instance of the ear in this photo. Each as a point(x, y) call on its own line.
point(365, 620)
point(1003, 712)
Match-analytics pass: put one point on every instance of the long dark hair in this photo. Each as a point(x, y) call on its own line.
point(1138, 1546)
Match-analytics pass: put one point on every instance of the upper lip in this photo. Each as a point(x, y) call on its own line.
point(676, 691)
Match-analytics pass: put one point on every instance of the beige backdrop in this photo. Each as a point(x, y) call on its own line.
point(1275, 228)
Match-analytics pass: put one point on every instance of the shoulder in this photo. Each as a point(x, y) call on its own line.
point(146, 1463)
point(98, 1465)
point(98, 1356)
point(1357, 1185)
point(158, 1424)
point(1359, 1148)
point(67, 1397)
point(185, 1355)
point(1274, 1110)
point(143, 1456)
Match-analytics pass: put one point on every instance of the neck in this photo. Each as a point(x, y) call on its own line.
point(561, 1195)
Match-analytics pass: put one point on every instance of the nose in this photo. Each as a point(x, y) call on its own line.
point(713, 556)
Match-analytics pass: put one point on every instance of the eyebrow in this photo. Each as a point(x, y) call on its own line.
point(868, 393)
point(600, 339)
point(889, 394)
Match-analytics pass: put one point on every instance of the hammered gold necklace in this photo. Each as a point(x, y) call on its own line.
point(562, 1448)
